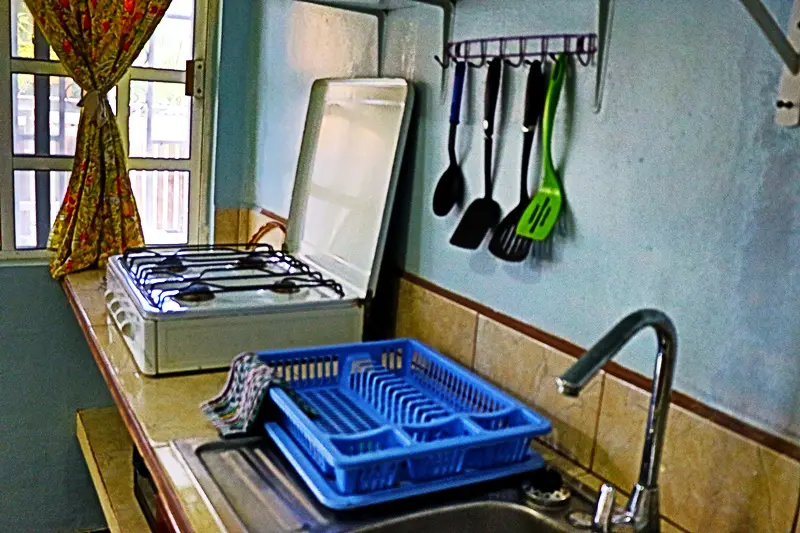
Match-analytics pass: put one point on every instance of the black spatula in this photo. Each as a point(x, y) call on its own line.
point(450, 189)
point(484, 213)
point(506, 243)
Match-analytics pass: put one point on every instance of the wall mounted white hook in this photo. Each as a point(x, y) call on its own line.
point(787, 104)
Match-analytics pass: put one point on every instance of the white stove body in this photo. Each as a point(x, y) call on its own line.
point(347, 172)
point(202, 336)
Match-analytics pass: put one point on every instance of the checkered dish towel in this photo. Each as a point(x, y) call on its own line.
point(239, 408)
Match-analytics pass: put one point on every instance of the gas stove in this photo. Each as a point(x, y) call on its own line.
point(213, 280)
point(195, 308)
point(191, 308)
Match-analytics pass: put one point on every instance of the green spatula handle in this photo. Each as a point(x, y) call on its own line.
point(550, 105)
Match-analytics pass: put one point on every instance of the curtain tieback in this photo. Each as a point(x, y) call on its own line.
point(92, 103)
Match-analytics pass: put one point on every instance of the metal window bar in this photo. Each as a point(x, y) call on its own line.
point(6, 138)
point(41, 98)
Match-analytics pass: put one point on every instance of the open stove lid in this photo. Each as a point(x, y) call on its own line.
point(347, 174)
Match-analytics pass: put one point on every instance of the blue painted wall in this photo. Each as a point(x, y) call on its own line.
point(309, 42)
point(233, 166)
point(683, 194)
point(46, 374)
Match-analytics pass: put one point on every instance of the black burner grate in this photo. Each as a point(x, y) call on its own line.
point(163, 272)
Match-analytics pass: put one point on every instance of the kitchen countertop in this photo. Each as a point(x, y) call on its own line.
point(157, 410)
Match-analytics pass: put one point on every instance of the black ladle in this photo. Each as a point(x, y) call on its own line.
point(484, 213)
point(450, 189)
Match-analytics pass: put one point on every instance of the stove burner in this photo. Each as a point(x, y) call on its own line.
point(195, 293)
point(253, 260)
point(172, 264)
point(285, 287)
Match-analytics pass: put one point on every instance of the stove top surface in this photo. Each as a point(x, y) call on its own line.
point(222, 278)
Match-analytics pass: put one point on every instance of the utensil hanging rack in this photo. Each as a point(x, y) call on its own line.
point(519, 50)
point(595, 48)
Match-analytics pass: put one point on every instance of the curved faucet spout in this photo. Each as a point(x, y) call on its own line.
point(643, 506)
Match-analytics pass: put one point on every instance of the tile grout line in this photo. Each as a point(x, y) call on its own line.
point(673, 524)
point(561, 454)
point(597, 423)
point(475, 341)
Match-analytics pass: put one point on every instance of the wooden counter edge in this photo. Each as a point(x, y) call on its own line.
point(177, 517)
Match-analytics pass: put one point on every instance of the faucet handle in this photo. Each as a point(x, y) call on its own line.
point(604, 512)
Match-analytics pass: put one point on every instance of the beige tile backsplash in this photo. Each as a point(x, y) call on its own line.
point(712, 479)
point(436, 321)
point(239, 225)
point(226, 225)
point(528, 369)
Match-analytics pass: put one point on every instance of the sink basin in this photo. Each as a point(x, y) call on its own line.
point(471, 518)
point(252, 488)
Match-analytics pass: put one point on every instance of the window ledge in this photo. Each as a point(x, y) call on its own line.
point(18, 258)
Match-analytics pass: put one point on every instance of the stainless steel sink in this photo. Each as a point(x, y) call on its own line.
point(253, 489)
point(472, 518)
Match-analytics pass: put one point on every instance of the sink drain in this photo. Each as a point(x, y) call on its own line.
point(546, 488)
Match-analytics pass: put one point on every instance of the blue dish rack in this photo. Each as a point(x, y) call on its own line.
point(397, 413)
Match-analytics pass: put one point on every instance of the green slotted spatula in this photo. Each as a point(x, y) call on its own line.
point(541, 216)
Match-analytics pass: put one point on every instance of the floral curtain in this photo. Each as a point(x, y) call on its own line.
point(96, 41)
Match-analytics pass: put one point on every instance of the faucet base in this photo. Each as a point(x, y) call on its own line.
point(643, 510)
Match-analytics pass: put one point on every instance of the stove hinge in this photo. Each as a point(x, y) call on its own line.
point(365, 301)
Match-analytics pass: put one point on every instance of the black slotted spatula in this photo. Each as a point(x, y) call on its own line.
point(506, 243)
point(484, 213)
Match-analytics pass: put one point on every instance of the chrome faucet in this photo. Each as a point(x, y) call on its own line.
point(642, 512)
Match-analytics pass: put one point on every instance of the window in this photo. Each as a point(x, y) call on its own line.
point(162, 127)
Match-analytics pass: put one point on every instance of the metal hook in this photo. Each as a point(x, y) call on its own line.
point(449, 56)
point(482, 62)
point(521, 62)
point(581, 50)
point(544, 44)
point(592, 48)
point(566, 50)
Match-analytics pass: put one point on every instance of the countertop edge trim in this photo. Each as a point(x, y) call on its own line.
point(769, 440)
point(177, 517)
